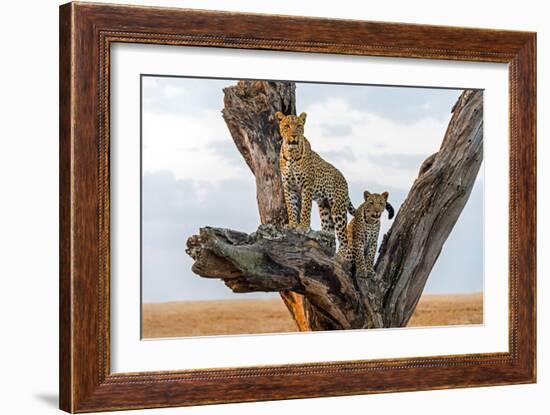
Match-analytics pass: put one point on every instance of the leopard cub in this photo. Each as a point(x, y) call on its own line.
point(363, 232)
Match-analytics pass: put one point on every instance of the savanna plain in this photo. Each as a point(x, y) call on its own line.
point(250, 316)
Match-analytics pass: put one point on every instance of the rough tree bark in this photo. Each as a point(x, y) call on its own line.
point(318, 286)
point(249, 112)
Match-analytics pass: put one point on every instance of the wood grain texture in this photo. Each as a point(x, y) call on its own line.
point(65, 172)
point(86, 33)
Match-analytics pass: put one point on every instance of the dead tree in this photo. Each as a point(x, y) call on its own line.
point(318, 286)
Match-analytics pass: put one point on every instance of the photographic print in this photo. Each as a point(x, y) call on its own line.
point(311, 205)
point(276, 206)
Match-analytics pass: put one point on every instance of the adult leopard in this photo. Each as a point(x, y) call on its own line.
point(307, 177)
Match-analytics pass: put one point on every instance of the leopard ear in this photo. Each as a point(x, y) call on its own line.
point(303, 117)
point(366, 194)
point(279, 115)
point(385, 195)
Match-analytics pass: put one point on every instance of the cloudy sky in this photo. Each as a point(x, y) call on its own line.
point(194, 176)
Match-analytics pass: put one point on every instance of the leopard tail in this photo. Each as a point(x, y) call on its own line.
point(350, 207)
point(390, 210)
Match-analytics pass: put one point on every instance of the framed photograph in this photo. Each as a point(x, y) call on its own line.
point(258, 207)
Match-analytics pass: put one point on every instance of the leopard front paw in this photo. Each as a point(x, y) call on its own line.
point(366, 274)
point(302, 228)
point(371, 273)
point(291, 226)
point(361, 275)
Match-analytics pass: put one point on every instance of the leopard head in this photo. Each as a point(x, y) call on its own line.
point(291, 128)
point(375, 204)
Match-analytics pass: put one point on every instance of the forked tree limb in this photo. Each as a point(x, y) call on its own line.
point(304, 265)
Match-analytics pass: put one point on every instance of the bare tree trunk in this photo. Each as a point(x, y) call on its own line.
point(428, 215)
point(249, 112)
point(321, 292)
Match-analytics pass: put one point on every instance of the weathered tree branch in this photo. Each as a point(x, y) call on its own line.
point(275, 259)
point(320, 291)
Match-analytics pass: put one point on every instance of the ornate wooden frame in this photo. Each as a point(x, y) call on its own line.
point(86, 33)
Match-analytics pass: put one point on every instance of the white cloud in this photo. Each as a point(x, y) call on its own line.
point(170, 90)
point(162, 87)
point(372, 138)
point(188, 146)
